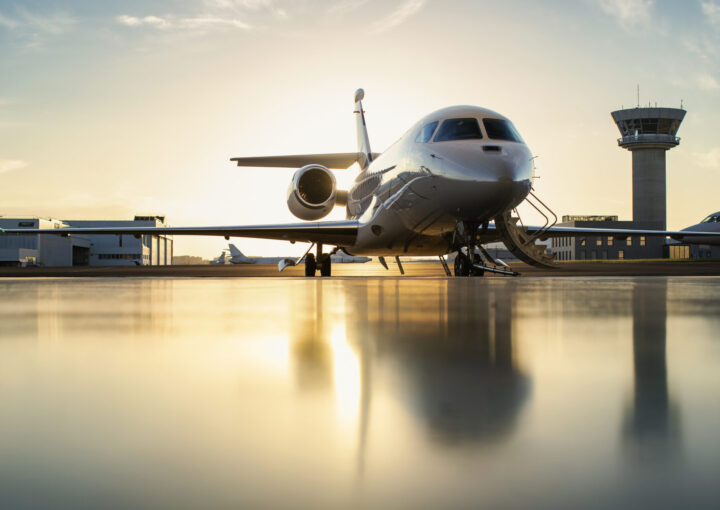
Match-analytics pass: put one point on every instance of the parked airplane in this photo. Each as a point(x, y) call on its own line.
point(449, 184)
point(238, 257)
point(221, 259)
point(709, 224)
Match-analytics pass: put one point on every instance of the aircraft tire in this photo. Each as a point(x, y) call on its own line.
point(325, 265)
point(310, 265)
point(462, 265)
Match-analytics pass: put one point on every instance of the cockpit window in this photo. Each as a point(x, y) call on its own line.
point(711, 219)
point(458, 129)
point(425, 135)
point(501, 129)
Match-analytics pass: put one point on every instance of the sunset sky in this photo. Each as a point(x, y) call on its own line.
point(108, 109)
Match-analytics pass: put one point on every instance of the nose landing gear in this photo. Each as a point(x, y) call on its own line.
point(467, 266)
point(468, 262)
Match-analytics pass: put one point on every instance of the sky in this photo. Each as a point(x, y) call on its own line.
point(111, 109)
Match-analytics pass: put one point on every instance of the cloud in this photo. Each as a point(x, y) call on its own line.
point(212, 21)
point(707, 82)
point(628, 12)
point(710, 159)
point(8, 165)
point(195, 23)
point(33, 30)
point(133, 21)
point(398, 16)
point(711, 10)
point(7, 22)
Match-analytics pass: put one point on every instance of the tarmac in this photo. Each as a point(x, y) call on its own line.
point(360, 392)
point(375, 270)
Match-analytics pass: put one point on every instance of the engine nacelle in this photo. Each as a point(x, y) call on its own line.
point(312, 192)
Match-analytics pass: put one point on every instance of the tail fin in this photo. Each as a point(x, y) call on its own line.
point(234, 251)
point(363, 142)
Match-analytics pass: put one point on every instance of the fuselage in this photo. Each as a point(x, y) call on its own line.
point(461, 163)
point(709, 224)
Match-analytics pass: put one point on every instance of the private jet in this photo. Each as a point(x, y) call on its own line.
point(450, 184)
point(709, 224)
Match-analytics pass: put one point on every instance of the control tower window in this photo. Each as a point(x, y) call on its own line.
point(501, 129)
point(426, 133)
point(649, 126)
point(458, 129)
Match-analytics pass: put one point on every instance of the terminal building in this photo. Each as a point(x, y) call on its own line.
point(648, 133)
point(34, 248)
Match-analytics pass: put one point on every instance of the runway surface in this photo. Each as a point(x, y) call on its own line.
point(186, 393)
point(374, 269)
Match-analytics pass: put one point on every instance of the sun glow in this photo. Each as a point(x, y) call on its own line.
point(346, 373)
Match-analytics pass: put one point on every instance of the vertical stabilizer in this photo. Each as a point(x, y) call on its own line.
point(234, 251)
point(363, 142)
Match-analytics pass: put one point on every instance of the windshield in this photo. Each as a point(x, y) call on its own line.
point(458, 129)
point(711, 219)
point(501, 129)
point(425, 135)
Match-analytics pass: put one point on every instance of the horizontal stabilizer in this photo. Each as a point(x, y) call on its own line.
point(336, 161)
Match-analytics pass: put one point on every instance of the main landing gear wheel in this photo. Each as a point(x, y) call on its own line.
point(462, 264)
point(310, 265)
point(325, 265)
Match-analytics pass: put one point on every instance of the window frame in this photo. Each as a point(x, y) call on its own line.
point(508, 125)
point(444, 121)
point(432, 134)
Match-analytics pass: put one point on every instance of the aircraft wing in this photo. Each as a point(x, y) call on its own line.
point(341, 233)
point(337, 161)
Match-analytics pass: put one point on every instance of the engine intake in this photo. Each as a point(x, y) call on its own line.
point(312, 192)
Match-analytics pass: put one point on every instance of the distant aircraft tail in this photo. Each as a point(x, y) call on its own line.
point(234, 251)
point(363, 142)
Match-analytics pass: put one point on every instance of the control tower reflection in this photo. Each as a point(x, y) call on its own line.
point(651, 425)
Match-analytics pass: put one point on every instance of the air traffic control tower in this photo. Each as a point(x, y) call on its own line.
point(648, 133)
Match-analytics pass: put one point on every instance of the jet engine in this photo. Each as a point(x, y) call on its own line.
point(313, 193)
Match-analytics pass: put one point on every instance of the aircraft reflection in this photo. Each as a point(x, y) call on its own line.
point(459, 376)
point(651, 424)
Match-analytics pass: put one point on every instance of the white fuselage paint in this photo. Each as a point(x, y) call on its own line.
point(410, 199)
point(710, 224)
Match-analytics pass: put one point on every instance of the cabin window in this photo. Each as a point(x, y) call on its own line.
point(427, 131)
point(501, 129)
point(458, 129)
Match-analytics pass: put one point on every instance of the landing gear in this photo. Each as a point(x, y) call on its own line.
point(462, 264)
point(310, 265)
point(477, 266)
point(325, 265)
point(320, 261)
point(465, 266)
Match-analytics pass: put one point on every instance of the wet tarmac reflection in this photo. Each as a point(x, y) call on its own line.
point(382, 393)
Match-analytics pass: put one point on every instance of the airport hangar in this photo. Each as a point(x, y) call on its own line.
point(648, 133)
point(34, 248)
